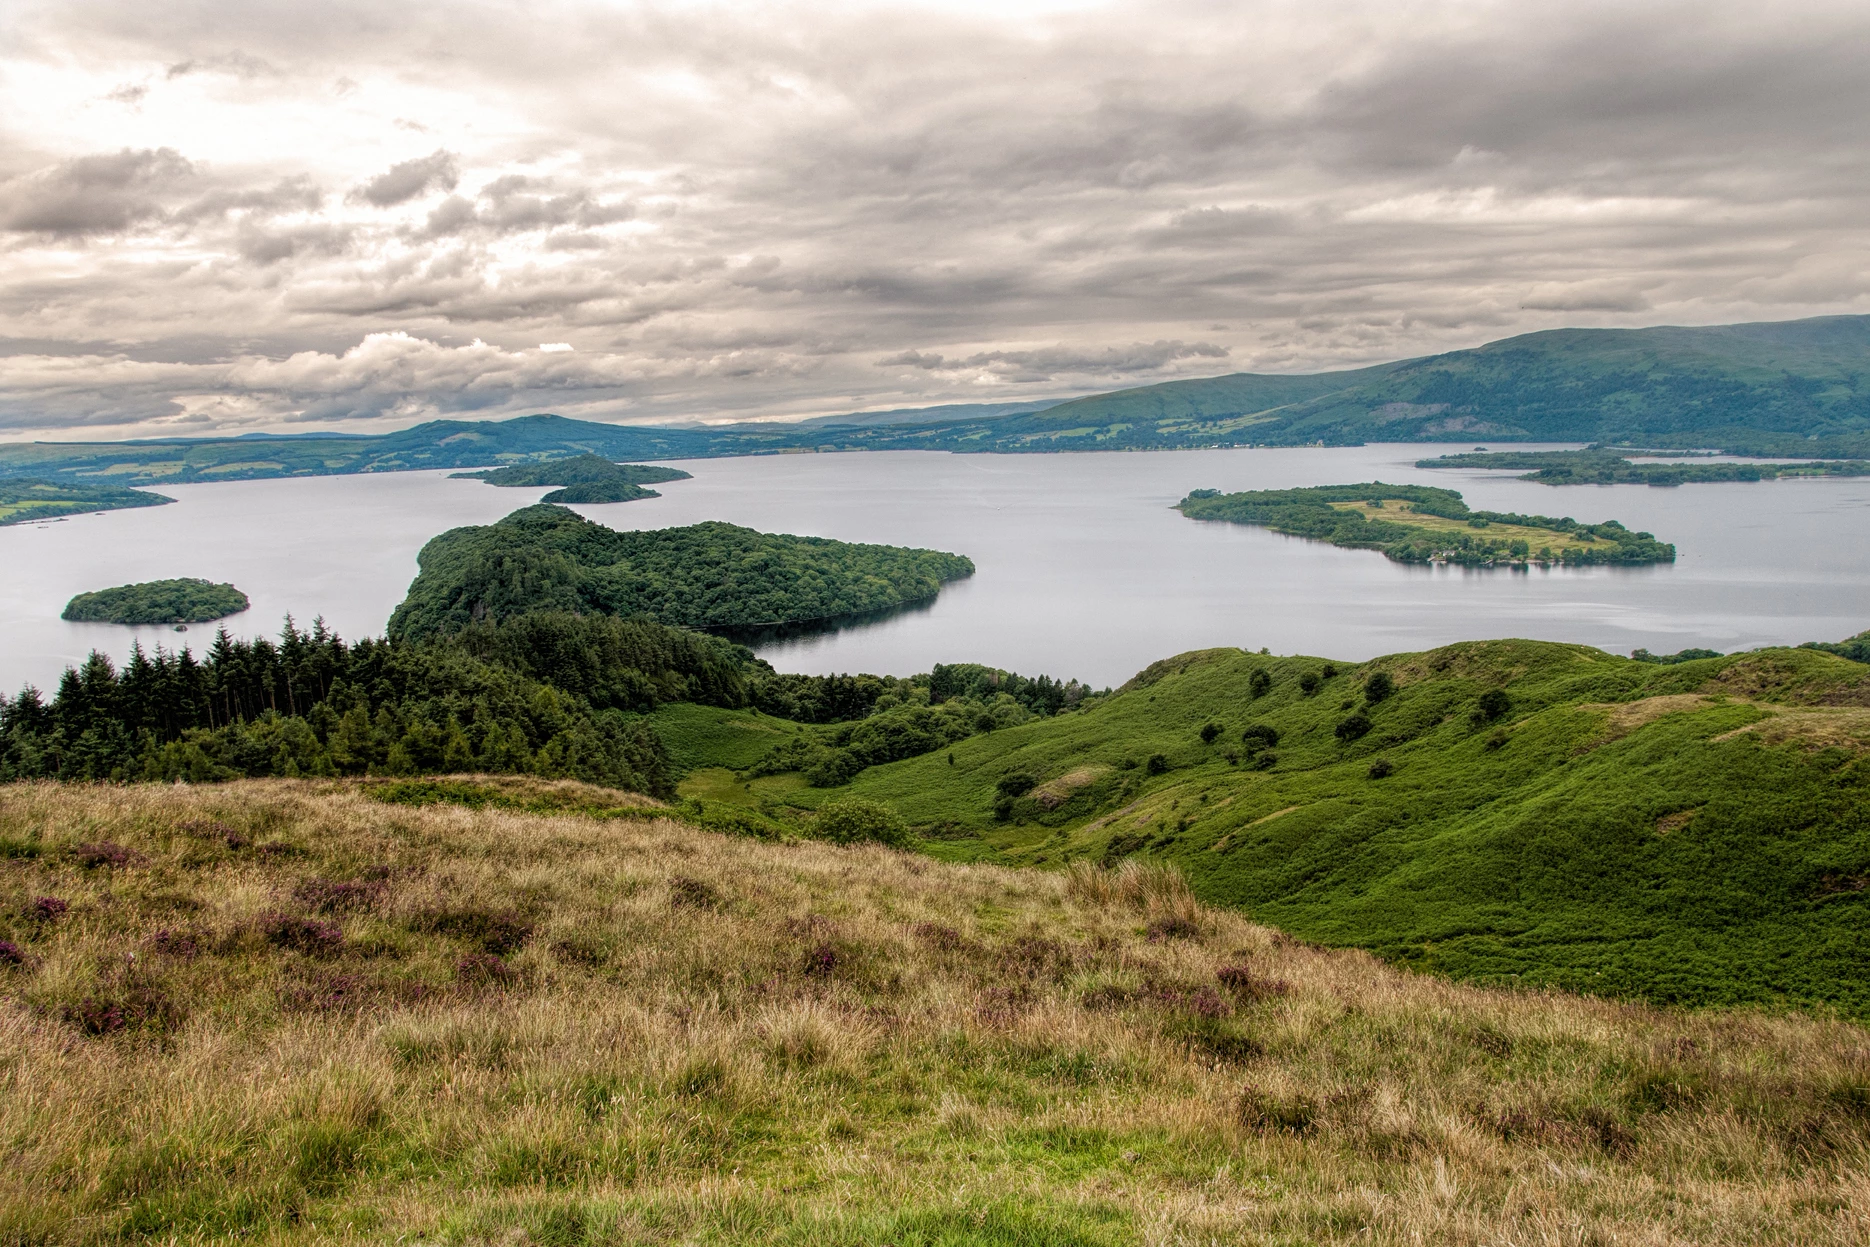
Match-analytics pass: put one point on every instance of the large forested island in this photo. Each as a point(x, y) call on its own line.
point(709, 575)
point(184, 601)
point(24, 500)
point(1600, 466)
point(585, 478)
point(1420, 524)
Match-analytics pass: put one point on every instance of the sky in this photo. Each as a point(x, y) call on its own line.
point(288, 217)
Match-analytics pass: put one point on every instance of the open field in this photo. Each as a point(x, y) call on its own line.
point(1405, 514)
point(282, 1011)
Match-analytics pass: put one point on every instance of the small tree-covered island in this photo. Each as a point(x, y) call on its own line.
point(709, 575)
point(1421, 524)
point(184, 601)
point(584, 478)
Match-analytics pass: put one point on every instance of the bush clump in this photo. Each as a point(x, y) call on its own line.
point(849, 820)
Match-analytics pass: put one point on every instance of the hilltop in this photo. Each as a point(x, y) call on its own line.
point(299, 1011)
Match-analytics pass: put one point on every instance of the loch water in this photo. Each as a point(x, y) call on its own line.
point(1083, 570)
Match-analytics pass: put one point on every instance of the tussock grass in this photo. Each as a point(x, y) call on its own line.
point(336, 1017)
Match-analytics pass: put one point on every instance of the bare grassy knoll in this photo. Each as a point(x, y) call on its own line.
point(281, 1010)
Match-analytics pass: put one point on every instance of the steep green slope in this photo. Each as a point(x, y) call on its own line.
point(709, 575)
point(1698, 832)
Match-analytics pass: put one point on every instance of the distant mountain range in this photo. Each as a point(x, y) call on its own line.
point(1785, 388)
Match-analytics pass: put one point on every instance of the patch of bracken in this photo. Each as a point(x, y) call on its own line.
point(333, 896)
point(1248, 986)
point(42, 910)
point(1171, 927)
point(686, 893)
point(303, 935)
point(102, 853)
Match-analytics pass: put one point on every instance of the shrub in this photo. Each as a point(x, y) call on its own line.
point(497, 931)
point(1494, 704)
point(10, 954)
point(1259, 683)
point(1246, 985)
point(1171, 927)
point(1496, 739)
point(1208, 732)
point(1266, 760)
point(851, 819)
point(1018, 784)
point(1356, 727)
point(1157, 764)
point(102, 853)
point(44, 909)
point(821, 960)
point(1260, 736)
point(1378, 687)
point(328, 896)
point(1309, 682)
point(1382, 768)
point(303, 935)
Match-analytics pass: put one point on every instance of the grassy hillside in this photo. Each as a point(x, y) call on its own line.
point(283, 1011)
point(1513, 812)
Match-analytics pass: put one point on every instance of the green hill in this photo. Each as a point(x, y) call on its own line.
point(1512, 812)
point(708, 575)
point(23, 501)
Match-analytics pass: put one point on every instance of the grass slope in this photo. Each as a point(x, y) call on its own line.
point(281, 1011)
point(1697, 832)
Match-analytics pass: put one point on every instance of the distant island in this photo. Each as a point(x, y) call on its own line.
point(1420, 524)
point(24, 500)
point(1600, 466)
point(183, 601)
point(586, 478)
point(710, 575)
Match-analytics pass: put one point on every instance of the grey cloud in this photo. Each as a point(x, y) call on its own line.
point(96, 194)
point(1339, 184)
point(410, 179)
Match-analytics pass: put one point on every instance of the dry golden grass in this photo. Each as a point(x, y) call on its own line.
point(560, 1030)
point(1398, 512)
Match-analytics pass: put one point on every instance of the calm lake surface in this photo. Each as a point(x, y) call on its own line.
point(1084, 571)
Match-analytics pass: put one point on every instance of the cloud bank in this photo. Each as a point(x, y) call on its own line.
point(268, 216)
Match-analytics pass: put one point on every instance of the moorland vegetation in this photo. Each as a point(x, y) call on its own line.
point(708, 575)
point(583, 478)
point(1421, 524)
point(182, 601)
point(295, 1011)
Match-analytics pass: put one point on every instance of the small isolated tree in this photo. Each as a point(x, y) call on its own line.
point(1378, 687)
point(1018, 784)
point(851, 819)
point(1158, 764)
point(1382, 768)
point(1353, 728)
point(1494, 705)
point(1309, 682)
point(1259, 683)
point(1209, 731)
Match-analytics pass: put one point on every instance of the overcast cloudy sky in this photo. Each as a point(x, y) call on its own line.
point(356, 215)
